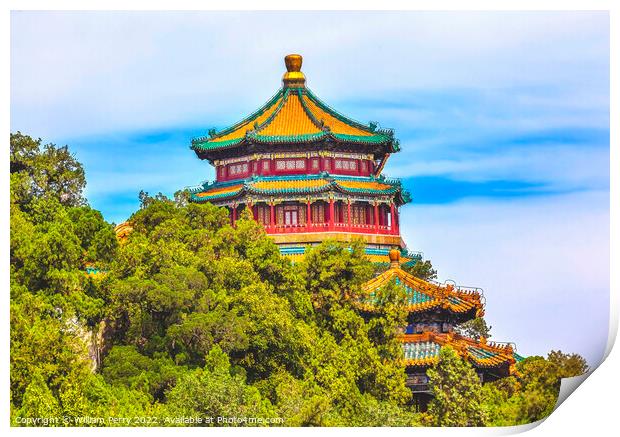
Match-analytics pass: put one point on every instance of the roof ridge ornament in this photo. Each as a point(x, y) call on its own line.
point(394, 255)
point(293, 78)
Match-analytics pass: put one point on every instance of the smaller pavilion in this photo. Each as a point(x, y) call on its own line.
point(434, 310)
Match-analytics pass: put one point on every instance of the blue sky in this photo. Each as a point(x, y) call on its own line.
point(503, 120)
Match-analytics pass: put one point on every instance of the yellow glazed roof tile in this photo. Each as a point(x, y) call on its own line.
point(239, 131)
point(364, 185)
point(335, 125)
point(290, 184)
point(220, 191)
point(291, 119)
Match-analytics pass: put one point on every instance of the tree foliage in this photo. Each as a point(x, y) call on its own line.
point(195, 317)
point(476, 328)
point(457, 392)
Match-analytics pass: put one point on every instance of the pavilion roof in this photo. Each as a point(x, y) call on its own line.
point(422, 296)
point(300, 185)
point(423, 350)
point(294, 115)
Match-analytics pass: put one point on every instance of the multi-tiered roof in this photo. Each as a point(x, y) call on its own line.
point(444, 307)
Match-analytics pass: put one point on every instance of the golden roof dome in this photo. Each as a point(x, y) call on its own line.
point(293, 78)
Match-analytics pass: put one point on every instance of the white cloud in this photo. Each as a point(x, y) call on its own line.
point(85, 72)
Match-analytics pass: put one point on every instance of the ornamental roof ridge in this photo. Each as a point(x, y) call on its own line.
point(343, 117)
point(258, 127)
point(241, 122)
point(443, 296)
point(320, 124)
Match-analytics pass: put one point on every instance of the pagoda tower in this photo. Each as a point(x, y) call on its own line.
point(434, 311)
point(307, 173)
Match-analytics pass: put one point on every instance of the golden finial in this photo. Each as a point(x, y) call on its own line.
point(293, 78)
point(394, 258)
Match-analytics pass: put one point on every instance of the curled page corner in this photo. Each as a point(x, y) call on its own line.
point(569, 385)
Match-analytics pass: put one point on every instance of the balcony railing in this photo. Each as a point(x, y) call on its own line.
point(343, 227)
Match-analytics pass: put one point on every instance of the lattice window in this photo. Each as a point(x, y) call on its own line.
point(358, 213)
point(345, 164)
point(315, 164)
point(291, 164)
point(265, 165)
point(237, 169)
point(263, 214)
point(319, 212)
point(292, 216)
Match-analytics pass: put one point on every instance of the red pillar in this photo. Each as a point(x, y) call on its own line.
point(308, 215)
point(396, 221)
point(272, 217)
point(349, 214)
point(376, 217)
point(392, 218)
point(331, 214)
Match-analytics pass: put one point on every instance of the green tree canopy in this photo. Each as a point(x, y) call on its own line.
point(457, 392)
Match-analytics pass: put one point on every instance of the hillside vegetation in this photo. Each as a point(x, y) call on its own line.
point(192, 318)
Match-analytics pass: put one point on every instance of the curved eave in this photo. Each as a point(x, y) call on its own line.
point(330, 184)
point(439, 297)
point(371, 192)
point(201, 147)
point(480, 354)
point(203, 199)
point(423, 307)
point(302, 190)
